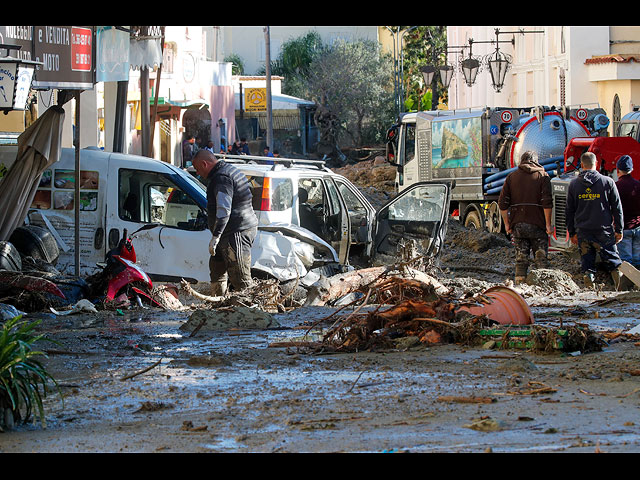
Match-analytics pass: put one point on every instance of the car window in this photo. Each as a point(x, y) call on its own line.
point(333, 197)
point(279, 192)
point(424, 203)
point(354, 204)
point(315, 191)
point(151, 197)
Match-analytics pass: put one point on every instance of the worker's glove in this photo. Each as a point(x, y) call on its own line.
point(212, 245)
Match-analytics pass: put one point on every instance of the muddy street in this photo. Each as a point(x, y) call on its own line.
point(145, 380)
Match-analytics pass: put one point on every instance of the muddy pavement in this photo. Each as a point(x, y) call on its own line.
point(141, 381)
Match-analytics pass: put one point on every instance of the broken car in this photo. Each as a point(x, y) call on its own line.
point(121, 191)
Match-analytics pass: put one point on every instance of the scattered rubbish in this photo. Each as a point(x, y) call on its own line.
point(7, 312)
point(166, 296)
point(485, 425)
point(153, 407)
point(83, 305)
point(140, 372)
point(630, 272)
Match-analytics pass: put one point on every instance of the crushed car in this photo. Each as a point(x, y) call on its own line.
point(311, 220)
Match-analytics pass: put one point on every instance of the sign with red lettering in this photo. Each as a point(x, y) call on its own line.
point(81, 45)
point(66, 53)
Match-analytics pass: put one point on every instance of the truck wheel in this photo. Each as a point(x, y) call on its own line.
point(472, 220)
point(494, 219)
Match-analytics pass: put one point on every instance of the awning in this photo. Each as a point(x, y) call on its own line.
point(186, 104)
point(170, 107)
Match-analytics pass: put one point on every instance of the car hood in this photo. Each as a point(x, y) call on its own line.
point(287, 251)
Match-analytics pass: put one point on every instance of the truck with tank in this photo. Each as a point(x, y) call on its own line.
point(478, 147)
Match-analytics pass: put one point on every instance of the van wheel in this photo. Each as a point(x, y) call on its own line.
point(472, 220)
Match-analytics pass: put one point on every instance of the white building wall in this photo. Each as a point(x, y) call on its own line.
point(537, 62)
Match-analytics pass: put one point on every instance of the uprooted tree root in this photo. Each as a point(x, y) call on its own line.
point(430, 322)
point(417, 311)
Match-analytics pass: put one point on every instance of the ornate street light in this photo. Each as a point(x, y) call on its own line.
point(499, 63)
point(16, 75)
point(446, 74)
point(470, 67)
point(428, 71)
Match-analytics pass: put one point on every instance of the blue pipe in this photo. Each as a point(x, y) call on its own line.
point(504, 173)
point(498, 187)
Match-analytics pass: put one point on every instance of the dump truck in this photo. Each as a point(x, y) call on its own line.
point(478, 147)
point(607, 150)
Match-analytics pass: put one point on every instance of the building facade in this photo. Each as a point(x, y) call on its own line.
point(563, 65)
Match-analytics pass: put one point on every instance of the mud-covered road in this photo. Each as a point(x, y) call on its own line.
point(141, 382)
point(233, 391)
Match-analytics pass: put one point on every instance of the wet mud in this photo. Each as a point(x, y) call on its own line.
point(232, 379)
point(144, 382)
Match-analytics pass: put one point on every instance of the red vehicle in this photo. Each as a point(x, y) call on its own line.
point(607, 151)
point(121, 280)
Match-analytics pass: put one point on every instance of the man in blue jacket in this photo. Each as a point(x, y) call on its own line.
point(595, 219)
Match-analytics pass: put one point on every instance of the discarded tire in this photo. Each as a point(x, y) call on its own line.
point(10, 257)
point(36, 242)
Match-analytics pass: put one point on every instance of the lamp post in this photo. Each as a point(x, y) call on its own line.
point(398, 65)
point(16, 75)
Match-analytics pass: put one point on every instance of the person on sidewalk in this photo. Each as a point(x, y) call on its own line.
point(232, 221)
point(525, 205)
point(629, 190)
point(595, 219)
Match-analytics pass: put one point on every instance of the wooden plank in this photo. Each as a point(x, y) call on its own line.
point(630, 272)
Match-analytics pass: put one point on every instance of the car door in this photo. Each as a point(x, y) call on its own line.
point(361, 213)
point(323, 212)
point(420, 214)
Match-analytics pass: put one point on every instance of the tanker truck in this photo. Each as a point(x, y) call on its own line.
point(477, 148)
point(607, 150)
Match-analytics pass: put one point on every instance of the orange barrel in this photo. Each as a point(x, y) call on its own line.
point(506, 307)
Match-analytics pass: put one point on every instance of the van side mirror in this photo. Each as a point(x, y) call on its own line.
point(201, 222)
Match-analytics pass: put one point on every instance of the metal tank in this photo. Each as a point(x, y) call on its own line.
point(546, 133)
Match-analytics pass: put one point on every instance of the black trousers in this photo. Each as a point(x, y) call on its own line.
point(592, 243)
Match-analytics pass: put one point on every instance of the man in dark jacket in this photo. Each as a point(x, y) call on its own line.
point(629, 190)
point(595, 219)
point(525, 205)
point(232, 222)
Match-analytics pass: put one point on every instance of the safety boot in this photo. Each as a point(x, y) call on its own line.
point(588, 280)
point(519, 280)
point(616, 275)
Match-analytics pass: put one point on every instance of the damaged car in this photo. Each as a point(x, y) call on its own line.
point(311, 220)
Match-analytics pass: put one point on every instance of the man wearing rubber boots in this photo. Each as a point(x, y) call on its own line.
point(595, 219)
point(525, 205)
point(232, 222)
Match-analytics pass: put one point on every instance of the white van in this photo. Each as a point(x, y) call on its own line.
point(122, 191)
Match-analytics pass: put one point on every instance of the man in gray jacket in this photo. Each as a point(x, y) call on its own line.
point(232, 222)
point(595, 219)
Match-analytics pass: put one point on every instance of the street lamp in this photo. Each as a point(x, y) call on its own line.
point(499, 63)
point(16, 75)
point(470, 67)
point(446, 74)
point(428, 71)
